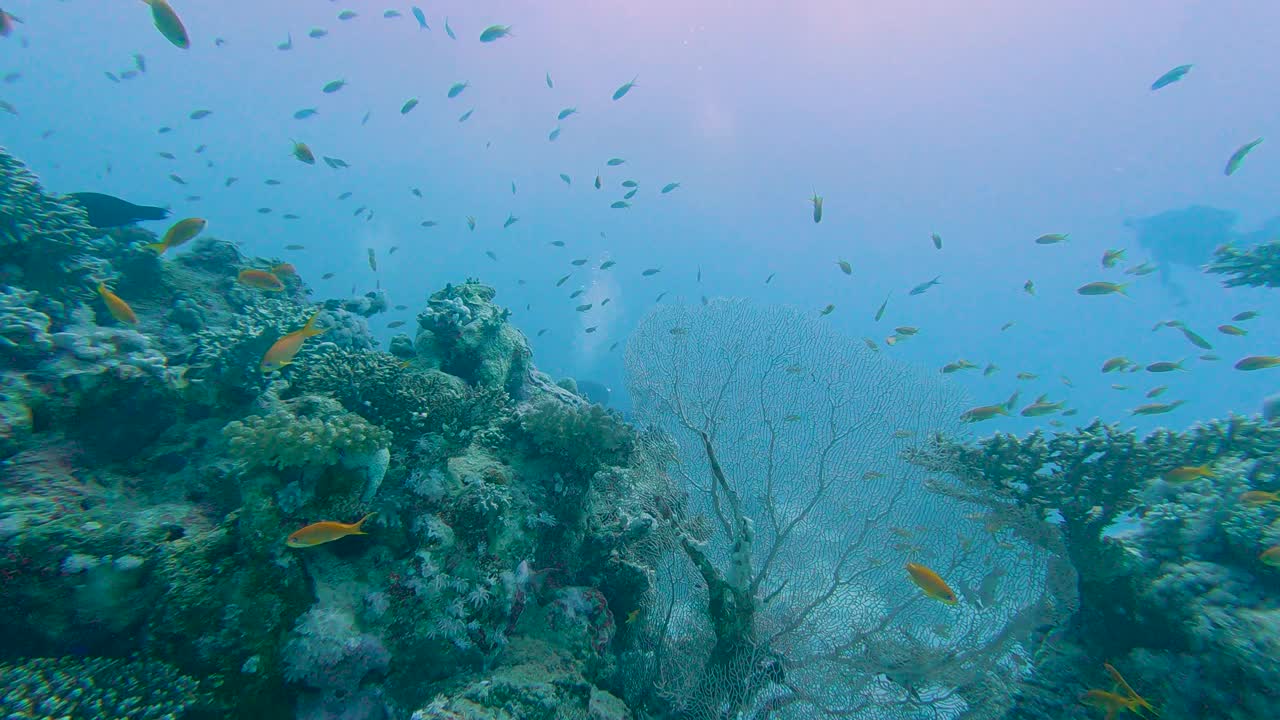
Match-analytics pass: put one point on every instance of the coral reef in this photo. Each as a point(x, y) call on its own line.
point(1255, 266)
point(96, 688)
point(1167, 573)
point(305, 431)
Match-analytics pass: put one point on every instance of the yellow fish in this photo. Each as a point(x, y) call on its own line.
point(1271, 556)
point(282, 351)
point(1256, 498)
point(181, 232)
point(983, 412)
point(168, 24)
point(303, 153)
point(1109, 701)
point(1187, 473)
point(118, 308)
point(932, 585)
point(326, 531)
point(1258, 362)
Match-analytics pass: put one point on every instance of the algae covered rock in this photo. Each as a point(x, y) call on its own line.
point(464, 333)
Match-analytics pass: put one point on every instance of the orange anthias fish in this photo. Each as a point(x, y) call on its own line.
point(282, 351)
point(1120, 697)
point(326, 531)
point(118, 308)
point(181, 232)
point(1109, 701)
point(932, 585)
point(260, 279)
point(284, 270)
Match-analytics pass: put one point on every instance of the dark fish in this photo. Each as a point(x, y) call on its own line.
point(596, 392)
point(106, 211)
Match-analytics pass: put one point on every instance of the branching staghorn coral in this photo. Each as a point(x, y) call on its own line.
point(787, 596)
point(1256, 266)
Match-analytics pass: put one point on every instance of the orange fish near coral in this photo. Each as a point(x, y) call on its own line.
point(118, 308)
point(1109, 701)
point(260, 279)
point(326, 531)
point(284, 270)
point(181, 232)
point(932, 585)
point(282, 351)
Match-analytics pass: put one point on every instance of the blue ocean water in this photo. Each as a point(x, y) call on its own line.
point(990, 125)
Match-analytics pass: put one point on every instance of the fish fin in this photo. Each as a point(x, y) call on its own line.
point(157, 248)
point(310, 327)
point(359, 526)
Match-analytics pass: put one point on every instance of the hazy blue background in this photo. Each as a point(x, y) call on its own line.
point(989, 122)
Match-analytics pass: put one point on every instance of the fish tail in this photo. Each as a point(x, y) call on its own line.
point(310, 330)
point(358, 528)
point(157, 248)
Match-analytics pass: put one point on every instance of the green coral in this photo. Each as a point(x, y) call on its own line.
point(1257, 266)
point(408, 400)
point(58, 688)
point(581, 437)
point(307, 431)
point(47, 241)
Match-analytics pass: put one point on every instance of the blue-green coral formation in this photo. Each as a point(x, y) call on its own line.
point(58, 688)
point(1168, 574)
point(154, 472)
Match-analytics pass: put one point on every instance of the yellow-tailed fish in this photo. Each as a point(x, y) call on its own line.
point(326, 531)
point(179, 233)
point(1258, 362)
point(1187, 473)
point(118, 308)
point(303, 153)
point(1256, 498)
point(1102, 287)
point(1156, 408)
point(983, 412)
point(931, 583)
point(282, 351)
